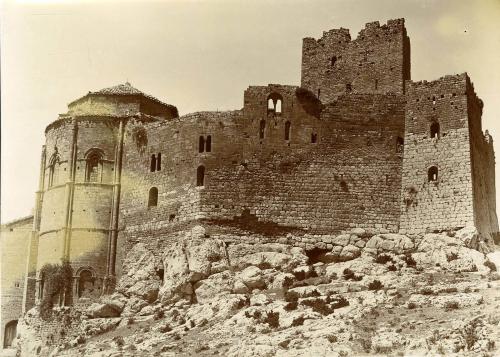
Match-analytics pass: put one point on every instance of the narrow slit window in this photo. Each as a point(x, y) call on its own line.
point(153, 197)
point(376, 84)
point(208, 144)
point(262, 129)
point(333, 60)
point(158, 162)
point(201, 144)
point(287, 130)
point(348, 87)
point(152, 166)
point(314, 138)
point(432, 174)
point(200, 176)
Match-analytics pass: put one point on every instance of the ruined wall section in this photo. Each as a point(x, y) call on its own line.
point(377, 61)
point(14, 251)
point(483, 167)
point(446, 202)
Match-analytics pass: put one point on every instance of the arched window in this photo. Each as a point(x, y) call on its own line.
point(277, 108)
point(314, 138)
point(399, 144)
point(9, 333)
point(274, 104)
point(85, 284)
point(435, 130)
point(53, 170)
point(208, 144)
point(158, 162)
point(287, 130)
point(152, 166)
point(200, 176)
point(93, 167)
point(153, 197)
point(201, 144)
point(262, 129)
point(432, 174)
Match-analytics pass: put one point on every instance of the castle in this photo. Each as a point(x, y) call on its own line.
point(358, 144)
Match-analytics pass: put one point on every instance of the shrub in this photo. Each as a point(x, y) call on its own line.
point(299, 321)
point(319, 306)
point(291, 296)
point(58, 279)
point(392, 267)
point(383, 258)
point(339, 302)
point(489, 264)
point(272, 319)
point(411, 305)
point(408, 258)
point(292, 305)
point(349, 275)
point(426, 291)
point(451, 305)
point(375, 285)
point(451, 256)
point(332, 338)
point(119, 340)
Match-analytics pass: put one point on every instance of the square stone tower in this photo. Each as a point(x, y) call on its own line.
point(448, 166)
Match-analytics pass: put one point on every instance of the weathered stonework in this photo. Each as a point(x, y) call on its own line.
point(358, 150)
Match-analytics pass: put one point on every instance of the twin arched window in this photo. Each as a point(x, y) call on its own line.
point(205, 144)
point(93, 167)
point(274, 104)
point(155, 163)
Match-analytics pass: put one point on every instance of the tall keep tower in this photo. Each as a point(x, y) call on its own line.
point(377, 61)
point(76, 218)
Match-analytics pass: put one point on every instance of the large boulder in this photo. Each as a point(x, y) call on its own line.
point(389, 243)
point(271, 255)
point(252, 278)
point(215, 285)
point(141, 279)
point(104, 309)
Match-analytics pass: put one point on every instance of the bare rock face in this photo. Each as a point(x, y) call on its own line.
point(449, 253)
point(141, 279)
point(471, 238)
point(104, 309)
point(188, 261)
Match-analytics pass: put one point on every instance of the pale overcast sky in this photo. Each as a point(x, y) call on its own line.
point(201, 55)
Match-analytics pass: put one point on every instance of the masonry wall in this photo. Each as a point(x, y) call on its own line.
point(448, 202)
point(377, 61)
point(14, 252)
point(483, 167)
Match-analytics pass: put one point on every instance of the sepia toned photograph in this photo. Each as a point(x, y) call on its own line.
point(249, 178)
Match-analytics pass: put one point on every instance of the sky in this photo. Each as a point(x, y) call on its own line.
point(202, 55)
